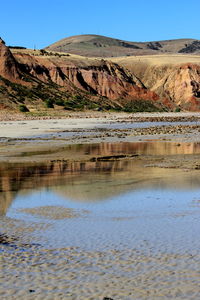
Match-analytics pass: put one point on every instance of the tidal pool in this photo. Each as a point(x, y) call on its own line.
point(105, 204)
point(101, 228)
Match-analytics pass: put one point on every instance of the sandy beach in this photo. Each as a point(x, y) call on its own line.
point(90, 207)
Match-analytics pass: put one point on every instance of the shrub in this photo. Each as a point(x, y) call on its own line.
point(79, 102)
point(140, 106)
point(49, 103)
point(23, 108)
point(43, 52)
point(59, 102)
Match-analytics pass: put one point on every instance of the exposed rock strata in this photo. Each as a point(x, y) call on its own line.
point(178, 85)
point(40, 77)
point(97, 78)
point(8, 65)
point(101, 78)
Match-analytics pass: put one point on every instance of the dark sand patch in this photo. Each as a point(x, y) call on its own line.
point(52, 212)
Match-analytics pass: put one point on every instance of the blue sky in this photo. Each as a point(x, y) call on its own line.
point(42, 22)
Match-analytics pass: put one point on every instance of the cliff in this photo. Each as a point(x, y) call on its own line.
point(41, 80)
point(181, 85)
point(42, 75)
point(8, 65)
point(97, 77)
point(176, 79)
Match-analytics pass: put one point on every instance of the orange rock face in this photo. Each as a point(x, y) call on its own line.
point(176, 84)
point(183, 86)
point(100, 78)
point(8, 65)
point(169, 85)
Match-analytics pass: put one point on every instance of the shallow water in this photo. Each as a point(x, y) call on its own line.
point(150, 124)
point(105, 204)
point(150, 147)
point(57, 132)
point(95, 229)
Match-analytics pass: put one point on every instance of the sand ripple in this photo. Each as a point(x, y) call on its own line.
point(70, 273)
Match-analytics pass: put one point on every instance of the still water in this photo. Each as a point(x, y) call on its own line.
point(98, 205)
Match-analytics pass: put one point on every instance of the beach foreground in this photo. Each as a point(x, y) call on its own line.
point(100, 205)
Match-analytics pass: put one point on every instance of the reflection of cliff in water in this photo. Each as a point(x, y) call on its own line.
point(25, 178)
point(141, 148)
point(92, 181)
point(86, 151)
point(87, 181)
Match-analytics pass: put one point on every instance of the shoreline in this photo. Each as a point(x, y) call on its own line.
point(46, 140)
point(7, 116)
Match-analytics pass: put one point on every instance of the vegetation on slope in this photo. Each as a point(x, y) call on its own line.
point(48, 96)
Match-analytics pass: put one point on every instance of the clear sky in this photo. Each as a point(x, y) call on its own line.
point(43, 22)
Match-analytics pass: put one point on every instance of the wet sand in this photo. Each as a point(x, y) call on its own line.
point(153, 264)
point(71, 274)
point(46, 140)
point(23, 127)
point(30, 270)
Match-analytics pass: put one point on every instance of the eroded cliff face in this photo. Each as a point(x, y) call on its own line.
point(178, 85)
point(73, 75)
point(183, 86)
point(98, 77)
point(8, 65)
point(111, 81)
point(167, 85)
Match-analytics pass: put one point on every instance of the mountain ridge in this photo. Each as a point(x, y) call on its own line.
point(92, 45)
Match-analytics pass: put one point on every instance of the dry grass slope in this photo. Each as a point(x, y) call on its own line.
point(101, 46)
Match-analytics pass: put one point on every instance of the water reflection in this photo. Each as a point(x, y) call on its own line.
point(79, 151)
point(78, 180)
point(140, 148)
point(96, 180)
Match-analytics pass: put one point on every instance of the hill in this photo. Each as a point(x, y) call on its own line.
point(100, 46)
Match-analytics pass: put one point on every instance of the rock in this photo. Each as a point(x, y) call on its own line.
point(101, 81)
point(8, 65)
point(101, 78)
point(178, 85)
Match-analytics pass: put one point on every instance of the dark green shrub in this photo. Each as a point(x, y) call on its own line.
point(23, 108)
point(49, 103)
point(43, 52)
point(178, 109)
point(59, 102)
point(140, 106)
point(78, 102)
